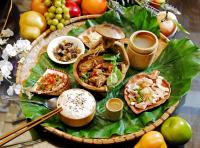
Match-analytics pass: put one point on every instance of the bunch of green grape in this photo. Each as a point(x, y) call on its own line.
point(57, 14)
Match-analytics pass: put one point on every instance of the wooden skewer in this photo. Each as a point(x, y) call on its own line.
point(22, 129)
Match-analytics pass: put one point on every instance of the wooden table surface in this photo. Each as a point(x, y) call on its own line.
point(189, 107)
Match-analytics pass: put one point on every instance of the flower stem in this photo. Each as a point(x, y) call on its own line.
point(11, 83)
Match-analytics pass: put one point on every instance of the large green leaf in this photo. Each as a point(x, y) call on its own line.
point(129, 19)
point(179, 63)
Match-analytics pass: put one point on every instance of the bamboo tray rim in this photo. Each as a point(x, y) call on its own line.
point(113, 139)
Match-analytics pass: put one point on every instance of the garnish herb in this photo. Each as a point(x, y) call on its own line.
point(110, 57)
point(86, 76)
point(132, 99)
point(116, 74)
point(139, 100)
point(149, 99)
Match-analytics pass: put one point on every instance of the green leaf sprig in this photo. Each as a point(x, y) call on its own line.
point(116, 74)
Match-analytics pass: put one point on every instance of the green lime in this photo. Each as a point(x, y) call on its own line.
point(47, 2)
point(63, 21)
point(52, 9)
point(49, 22)
point(66, 10)
point(55, 22)
point(66, 16)
point(58, 4)
point(51, 15)
point(59, 10)
point(60, 26)
point(58, 16)
point(52, 27)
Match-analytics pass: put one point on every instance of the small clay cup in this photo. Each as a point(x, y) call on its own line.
point(114, 109)
point(140, 57)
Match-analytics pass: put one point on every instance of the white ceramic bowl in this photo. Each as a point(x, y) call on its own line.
point(79, 107)
point(55, 42)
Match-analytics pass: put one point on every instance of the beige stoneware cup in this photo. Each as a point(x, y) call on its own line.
point(114, 109)
point(142, 57)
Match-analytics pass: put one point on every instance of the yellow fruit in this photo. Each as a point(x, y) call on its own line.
point(30, 32)
point(152, 139)
point(32, 24)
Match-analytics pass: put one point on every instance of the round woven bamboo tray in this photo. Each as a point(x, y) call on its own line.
point(39, 46)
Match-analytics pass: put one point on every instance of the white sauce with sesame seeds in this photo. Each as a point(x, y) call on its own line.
point(77, 103)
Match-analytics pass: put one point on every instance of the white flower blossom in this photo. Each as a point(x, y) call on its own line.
point(9, 51)
point(3, 41)
point(7, 33)
point(6, 67)
point(10, 91)
point(18, 89)
point(17, 48)
point(15, 88)
point(23, 45)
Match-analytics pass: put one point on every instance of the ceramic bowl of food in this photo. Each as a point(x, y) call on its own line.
point(65, 49)
point(78, 107)
point(52, 83)
point(146, 91)
point(95, 70)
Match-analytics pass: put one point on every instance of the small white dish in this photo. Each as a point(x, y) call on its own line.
point(55, 42)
